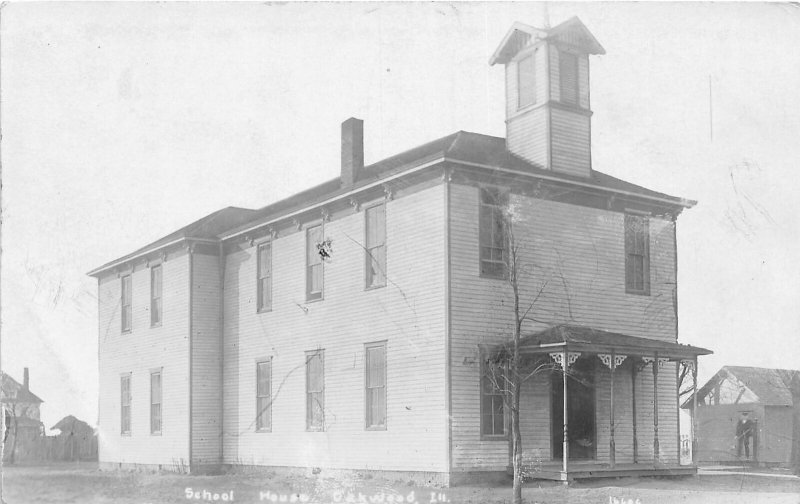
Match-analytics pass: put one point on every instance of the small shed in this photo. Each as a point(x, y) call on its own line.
point(764, 396)
point(77, 440)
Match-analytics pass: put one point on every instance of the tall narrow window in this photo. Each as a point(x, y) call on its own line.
point(125, 404)
point(126, 300)
point(315, 391)
point(313, 263)
point(526, 81)
point(155, 402)
point(375, 385)
point(492, 410)
point(493, 232)
point(264, 396)
point(155, 295)
point(265, 277)
point(568, 72)
point(637, 255)
point(376, 246)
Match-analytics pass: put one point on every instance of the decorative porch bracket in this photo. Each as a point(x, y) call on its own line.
point(559, 358)
point(612, 361)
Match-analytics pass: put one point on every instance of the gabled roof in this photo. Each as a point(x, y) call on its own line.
point(13, 391)
point(71, 424)
point(771, 386)
point(571, 31)
point(471, 149)
point(206, 228)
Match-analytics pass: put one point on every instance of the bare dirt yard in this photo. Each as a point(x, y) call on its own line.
point(71, 483)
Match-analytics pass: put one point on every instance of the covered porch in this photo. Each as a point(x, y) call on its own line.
point(594, 376)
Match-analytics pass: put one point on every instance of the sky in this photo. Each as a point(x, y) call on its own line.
point(122, 122)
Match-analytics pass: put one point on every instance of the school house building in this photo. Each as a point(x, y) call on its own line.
point(344, 328)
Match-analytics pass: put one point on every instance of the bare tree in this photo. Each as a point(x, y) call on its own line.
point(505, 367)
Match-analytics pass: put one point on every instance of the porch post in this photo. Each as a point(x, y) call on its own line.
point(613, 448)
point(565, 450)
point(633, 412)
point(655, 409)
point(694, 412)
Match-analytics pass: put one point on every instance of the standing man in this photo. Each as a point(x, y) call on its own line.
point(745, 430)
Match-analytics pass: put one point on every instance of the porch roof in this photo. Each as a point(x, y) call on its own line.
point(586, 339)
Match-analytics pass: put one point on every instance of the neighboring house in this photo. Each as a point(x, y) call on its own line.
point(343, 327)
point(76, 440)
point(765, 395)
point(22, 418)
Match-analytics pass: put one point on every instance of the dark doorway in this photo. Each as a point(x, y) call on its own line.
point(580, 411)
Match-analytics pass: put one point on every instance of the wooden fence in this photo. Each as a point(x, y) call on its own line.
point(51, 448)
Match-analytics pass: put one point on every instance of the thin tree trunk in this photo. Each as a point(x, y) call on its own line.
point(516, 377)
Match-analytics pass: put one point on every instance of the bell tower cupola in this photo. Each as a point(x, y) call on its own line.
point(548, 114)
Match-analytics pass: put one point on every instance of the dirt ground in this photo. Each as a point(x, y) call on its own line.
point(70, 483)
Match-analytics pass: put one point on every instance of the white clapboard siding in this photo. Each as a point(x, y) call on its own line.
point(206, 366)
point(570, 142)
point(527, 135)
point(579, 253)
point(139, 352)
point(409, 314)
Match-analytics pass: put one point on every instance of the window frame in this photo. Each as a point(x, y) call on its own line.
point(264, 415)
point(532, 86)
point(637, 244)
point(576, 68)
point(159, 298)
point(311, 424)
point(262, 305)
point(153, 431)
point(369, 257)
point(483, 397)
point(314, 295)
point(497, 212)
point(126, 309)
point(369, 423)
point(125, 401)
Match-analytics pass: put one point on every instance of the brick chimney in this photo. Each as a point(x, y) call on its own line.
point(352, 150)
point(26, 382)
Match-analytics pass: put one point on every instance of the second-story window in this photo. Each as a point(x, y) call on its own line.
point(265, 277)
point(526, 81)
point(376, 246)
point(492, 225)
point(637, 255)
point(126, 300)
point(568, 77)
point(314, 267)
point(155, 295)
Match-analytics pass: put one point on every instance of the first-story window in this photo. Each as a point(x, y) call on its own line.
point(375, 400)
point(155, 402)
point(125, 404)
point(315, 391)
point(492, 408)
point(264, 396)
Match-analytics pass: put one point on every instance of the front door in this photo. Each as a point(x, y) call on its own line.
point(580, 411)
